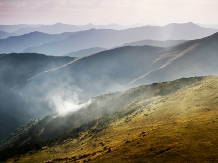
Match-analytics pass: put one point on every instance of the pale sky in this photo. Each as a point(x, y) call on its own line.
point(124, 12)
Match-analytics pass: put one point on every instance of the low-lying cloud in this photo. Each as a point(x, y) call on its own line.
point(67, 103)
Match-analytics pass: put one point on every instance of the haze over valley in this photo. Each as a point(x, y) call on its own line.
point(97, 86)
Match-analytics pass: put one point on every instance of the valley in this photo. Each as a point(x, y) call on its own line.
point(108, 93)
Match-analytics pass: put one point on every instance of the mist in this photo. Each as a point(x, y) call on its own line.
point(87, 92)
point(65, 85)
point(66, 103)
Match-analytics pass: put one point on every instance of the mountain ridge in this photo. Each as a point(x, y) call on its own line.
point(166, 43)
point(107, 71)
point(85, 52)
point(106, 38)
point(19, 43)
point(190, 48)
point(4, 35)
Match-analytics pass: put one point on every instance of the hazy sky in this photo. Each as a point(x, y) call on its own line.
point(124, 12)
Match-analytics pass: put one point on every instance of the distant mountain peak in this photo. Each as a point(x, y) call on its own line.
point(187, 25)
point(36, 33)
point(89, 24)
point(191, 23)
point(58, 23)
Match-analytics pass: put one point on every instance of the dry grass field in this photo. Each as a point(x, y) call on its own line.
point(177, 127)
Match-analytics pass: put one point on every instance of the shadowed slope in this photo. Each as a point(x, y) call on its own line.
point(14, 70)
point(19, 43)
point(192, 58)
point(99, 73)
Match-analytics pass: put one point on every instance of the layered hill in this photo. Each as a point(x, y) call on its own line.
point(17, 44)
point(96, 74)
point(192, 58)
point(16, 68)
point(85, 52)
point(108, 38)
point(124, 67)
point(13, 28)
point(108, 71)
point(4, 35)
point(165, 44)
point(59, 28)
point(163, 122)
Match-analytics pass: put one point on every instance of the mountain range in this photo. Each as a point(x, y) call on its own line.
point(13, 28)
point(192, 58)
point(107, 71)
point(113, 69)
point(107, 38)
point(58, 28)
point(61, 44)
point(78, 89)
point(85, 52)
point(165, 44)
point(17, 44)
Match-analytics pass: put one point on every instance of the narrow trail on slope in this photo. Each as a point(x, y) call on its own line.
point(47, 72)
point(174, 57)
point(3, 55)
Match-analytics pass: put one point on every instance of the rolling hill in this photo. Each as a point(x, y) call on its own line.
point(59, 28)
point(99, 73)
point(108, 38)
point(85, 52)
point(4, 35)
point(18, 43)
point(192, 58)
point(41, 94)
point(13, 28)
point(125, 67)
point(165, 44)
point(163, 122)
point(16, 68)
point(109, 71)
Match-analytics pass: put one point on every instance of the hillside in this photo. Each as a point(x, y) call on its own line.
point(48, 90)
point(4, 34)
point(37, 97)
point(192, 58)
point(17, 44)
point(165, 44)
point(125, 67)
point(108, 38)
point(163, 122)
point(85, 52)
point(100, 73)
point(14, 70)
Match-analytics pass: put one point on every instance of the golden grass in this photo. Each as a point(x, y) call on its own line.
point(180, 127)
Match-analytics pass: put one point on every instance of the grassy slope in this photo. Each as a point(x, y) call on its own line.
point(177, 127)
